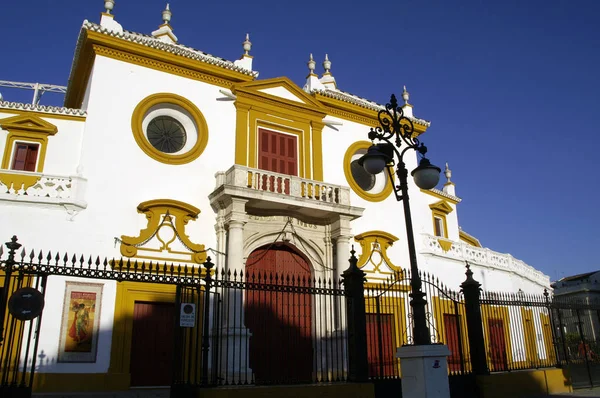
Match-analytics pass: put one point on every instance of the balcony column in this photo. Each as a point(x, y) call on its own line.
point(234, 336)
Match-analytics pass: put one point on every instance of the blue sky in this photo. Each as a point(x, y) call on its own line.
point(511, 88)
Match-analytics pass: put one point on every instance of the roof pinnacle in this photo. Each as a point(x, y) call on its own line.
point(311, 65)
point(109, 5)
point(448, 172)
point(327, 64)
point(405, 96)
point(247, 45)
point(166, 14)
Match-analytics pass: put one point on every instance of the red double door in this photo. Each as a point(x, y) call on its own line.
point(280, 319)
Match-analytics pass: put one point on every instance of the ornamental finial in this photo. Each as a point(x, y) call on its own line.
point(311, 64)
point(247, 45)
point(448, 172)
point(405, 96)
point(327, 64)
point(109, 5)
point(166, 14)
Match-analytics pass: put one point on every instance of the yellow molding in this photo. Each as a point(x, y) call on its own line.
point(442, 306)
point(437, 195)
point(445, 244)
point(438, 214)
point(139, 134)
point(471, 240)
point(441, 207)
point(371, 197)
point(113, 47)
point(256, 109)
point(127, 294)
point(20, 112)
point(366, 241)
point(27, 128)
point(154, 210)
point(497, 312)
point(357, 113)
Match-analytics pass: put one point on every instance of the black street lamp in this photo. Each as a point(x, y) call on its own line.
point(397, 127)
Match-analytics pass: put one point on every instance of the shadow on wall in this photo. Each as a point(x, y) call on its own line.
point(525, 384)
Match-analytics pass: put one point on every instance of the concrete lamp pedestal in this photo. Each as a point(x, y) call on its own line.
point(424, 371)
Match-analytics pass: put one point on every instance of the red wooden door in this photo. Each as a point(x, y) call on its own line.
point(152, 344)
point(451, 329)
point(281, 348)
point(381, 358)
point(497, 345)
point(25, 157)
point(278, 153)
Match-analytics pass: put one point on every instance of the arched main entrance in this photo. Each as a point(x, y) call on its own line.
point(280, 320)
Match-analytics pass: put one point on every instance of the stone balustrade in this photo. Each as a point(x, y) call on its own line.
point(485, 257)
point(283, 184)
point(48, 189)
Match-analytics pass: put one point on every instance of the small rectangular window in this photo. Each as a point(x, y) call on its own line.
point(25, 156)
point(438, 223)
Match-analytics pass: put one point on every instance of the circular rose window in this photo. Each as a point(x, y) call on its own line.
point(166, 134)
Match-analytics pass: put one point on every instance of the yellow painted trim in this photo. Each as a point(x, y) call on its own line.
point(168, 98)
point(254, 88)
point(445, 244)
point(471, 240)
point(441, 207)
point(366, 241)
point(497, 312)
point(127, 294)
point(153, 210)
point(26, 128)
point(241, 128)
point(20, 112)
point(113, 47)
point(529, 332)
point(356, 113)
point(437, 214)
point(443, 306)
point(377, 197)
point(437, 195)
point(317, 150)
point(525, 383)
point(548, 340)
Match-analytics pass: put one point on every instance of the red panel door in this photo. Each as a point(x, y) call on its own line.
point(281, 348)
point(381, 357)
point(451, 329)
point(497, 345)
point(25, 157)
point(152, 344)
point(278, 153)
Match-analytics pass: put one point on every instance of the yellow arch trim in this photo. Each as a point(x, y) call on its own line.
point(168, 98)
point(377, 197)
point(154, 209)
point(366, 240)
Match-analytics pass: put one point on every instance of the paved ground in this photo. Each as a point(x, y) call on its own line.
point(595, 392)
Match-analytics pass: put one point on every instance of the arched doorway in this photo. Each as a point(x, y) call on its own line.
point(280, 320)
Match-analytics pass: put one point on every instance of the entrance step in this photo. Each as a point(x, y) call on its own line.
point(134, 393)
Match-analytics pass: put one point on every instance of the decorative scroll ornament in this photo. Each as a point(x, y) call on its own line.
point(374, 246)
point(166, 223)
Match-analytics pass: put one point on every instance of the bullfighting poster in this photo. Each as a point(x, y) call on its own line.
point(80, 322)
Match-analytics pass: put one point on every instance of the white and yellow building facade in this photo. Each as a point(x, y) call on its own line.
point(150, 127)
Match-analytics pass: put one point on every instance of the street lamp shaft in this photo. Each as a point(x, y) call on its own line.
point(421, 334)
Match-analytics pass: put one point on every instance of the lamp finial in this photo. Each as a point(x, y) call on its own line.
point(247, 45)
point(405, 96)
point(166, 14)
point(311, 64)
point(327, 64)
point(109, 5)
point(448, 172)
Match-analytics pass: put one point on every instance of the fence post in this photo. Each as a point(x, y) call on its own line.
point(12, 246)
point(205, 321)
point(552, 326)
point(354, 287)
point(471, 290)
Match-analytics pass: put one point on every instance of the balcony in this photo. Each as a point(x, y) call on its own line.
point(270, 193)
point(483, 256)
point(45, 189)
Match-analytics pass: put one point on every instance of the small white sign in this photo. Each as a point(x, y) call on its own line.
point(187, 315)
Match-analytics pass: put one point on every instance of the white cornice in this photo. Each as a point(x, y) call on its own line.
point(172, 48)
point(52, 110)
point(362, 102)
point(444, 194)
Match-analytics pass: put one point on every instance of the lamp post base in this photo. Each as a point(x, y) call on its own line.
point(424, 371)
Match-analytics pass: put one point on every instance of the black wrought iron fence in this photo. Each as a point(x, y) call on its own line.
point(389, 326)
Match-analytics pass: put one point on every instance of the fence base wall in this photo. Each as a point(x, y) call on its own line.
point(80, 382)
point(524, 383)
point(346, 390)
